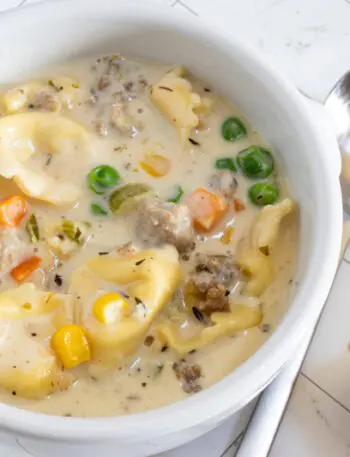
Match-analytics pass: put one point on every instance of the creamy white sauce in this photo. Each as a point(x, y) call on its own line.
point(146, 379)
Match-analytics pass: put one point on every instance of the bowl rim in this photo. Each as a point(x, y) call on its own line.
point(244, 383)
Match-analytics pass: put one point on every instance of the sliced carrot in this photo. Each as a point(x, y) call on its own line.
point(12, 210)
point(206, 208)
point(155, 165)
point(239, 205)
point(24, 269)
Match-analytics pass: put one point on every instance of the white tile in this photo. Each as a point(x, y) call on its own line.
point(7, 4)
point(308, 40)
point(328, 359)
point(313, 426)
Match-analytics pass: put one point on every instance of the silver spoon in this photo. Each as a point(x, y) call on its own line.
point(338, 106)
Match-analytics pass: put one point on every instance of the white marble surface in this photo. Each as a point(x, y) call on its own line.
point(310, 42)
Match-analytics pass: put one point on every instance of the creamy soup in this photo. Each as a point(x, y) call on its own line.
point(148, 238)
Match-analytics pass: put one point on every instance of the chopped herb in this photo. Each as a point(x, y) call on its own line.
point(48, 160)
point(158, 370)
point(133, 397)
point(197, 314)
point(98, 210)
point(58, 280)
point(193, 351)
point(73, 232)
point(194, 142)
point(265, 328)
point(76, 85)
point(177, 195)
point(32, 229)
point(139, 262)
point(103, 253)
point(138, 301)
point(165, 88)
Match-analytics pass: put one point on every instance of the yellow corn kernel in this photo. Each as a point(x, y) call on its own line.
point(155, 165)
point(71, 346)
point(109, 307)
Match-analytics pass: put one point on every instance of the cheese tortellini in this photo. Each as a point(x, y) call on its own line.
point(53, 95)
point(174, 97)
point(31, 316)
point(254, 251)
point(23, 138)
point(147, 279)
point(240, 318)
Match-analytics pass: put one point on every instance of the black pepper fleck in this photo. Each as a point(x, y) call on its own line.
point(58, 280)
point(103, 253)
point(34, 334)
point(194, 142)
point(139, 262)
point(197, 314)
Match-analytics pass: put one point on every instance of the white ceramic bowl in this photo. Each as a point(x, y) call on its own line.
point(41, 34)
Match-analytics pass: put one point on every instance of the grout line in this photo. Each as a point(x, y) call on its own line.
point(21, 3)
point(186, 7)
point(325, 392)
point(174, 3)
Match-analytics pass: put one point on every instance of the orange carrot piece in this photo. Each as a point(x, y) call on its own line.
point(239, 205)
point(206, 208)
point(12, 211)
point(25, 268)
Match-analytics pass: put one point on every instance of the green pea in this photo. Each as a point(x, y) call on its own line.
point(263, 193)
point(127, 192)
point(232, 129)
point(255, 162)
point(98, 210)
point(177, 195)
point(226, 164)
point(102, 178)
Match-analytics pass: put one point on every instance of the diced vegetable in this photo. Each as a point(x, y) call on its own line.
point(233, 129)
point(226, 164)
point(206, 208)
point(32, 229)
point(24, 269)
point(102, 178)
point(73, 232)
point(255, 162)
point(239, 205)
point(129, 191)
point(263, 193)
point(227, 235)
point(109, 307)
point(177, 195)
point(12, 211)
point(98, 210)
point(71, 346)
point(155, 165)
